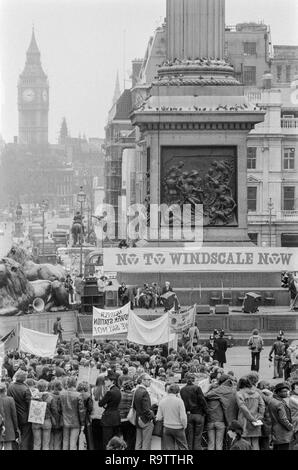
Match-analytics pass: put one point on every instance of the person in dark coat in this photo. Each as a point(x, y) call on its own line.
point(8, 408)
point(22, 398)
point(110, 420)
point(57, 329)
point(123, 294)
point(144, 414)
point(196, 409)
point(7, 364)
point(235, 432)
point(210, 345)
point(282, 427)
point(220, 347)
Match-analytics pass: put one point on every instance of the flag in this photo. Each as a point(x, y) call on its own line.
point(9, 341)
point(182, 321)
point(149, 333)
point(37, 343)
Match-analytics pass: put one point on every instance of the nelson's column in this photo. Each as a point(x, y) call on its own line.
point(194, 125)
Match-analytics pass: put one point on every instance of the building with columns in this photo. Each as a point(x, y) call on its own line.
point(248, 47)
point(273, 169)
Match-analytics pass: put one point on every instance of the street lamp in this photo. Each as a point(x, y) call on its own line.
point(43, 207)
point(270, 208)
point(81, 198)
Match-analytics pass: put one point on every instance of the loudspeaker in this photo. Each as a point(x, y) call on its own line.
point(38, 304)
point(203, 309)
point(91, 280)
point(221, 309)
point(251, 302)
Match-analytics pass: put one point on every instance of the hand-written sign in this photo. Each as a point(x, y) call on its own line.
point(183, 320)
point(109, 322)
point(37, 412)
point(88, 374)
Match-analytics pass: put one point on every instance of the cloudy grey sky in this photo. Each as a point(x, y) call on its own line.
point(81, 44)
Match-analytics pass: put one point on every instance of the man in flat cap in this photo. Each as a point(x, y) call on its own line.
point(282, 427)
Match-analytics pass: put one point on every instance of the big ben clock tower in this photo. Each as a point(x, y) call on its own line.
point(33, 99)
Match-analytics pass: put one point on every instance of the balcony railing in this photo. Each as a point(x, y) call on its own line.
point(278, 216)
point(287, 215)
point(289, 123)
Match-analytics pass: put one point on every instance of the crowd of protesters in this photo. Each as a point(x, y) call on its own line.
point(119, 412)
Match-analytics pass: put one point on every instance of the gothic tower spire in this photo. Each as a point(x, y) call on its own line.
point(117, 91)
point(33, 98)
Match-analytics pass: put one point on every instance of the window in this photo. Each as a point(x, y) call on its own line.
point(289, 240)
point(249, 75)
point(288, 73)
point(289, 159)
point(252, 199)
point(289, 198)
point(279, 72)
point(251, 158)
point(250, 48)
point(254, 237)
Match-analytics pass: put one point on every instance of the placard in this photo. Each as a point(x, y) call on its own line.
point(37, 412)
point(88, 374)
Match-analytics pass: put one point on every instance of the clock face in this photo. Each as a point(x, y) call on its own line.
point(28, 95)
point(45, 95)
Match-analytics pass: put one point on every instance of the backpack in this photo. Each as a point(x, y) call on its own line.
point(255, 344)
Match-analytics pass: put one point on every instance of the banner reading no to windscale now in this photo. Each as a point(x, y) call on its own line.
point(192, 259)
point(110, 322)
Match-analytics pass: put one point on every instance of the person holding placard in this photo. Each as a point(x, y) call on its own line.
point(42, 427)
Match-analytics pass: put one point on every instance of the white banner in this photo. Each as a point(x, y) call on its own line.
point(192, 259)
point(2, 354)
point(149, 333)
point(110, 322)
point(37, 343)
point(183, 320)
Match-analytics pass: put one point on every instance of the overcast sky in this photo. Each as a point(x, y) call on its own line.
point(81, 44)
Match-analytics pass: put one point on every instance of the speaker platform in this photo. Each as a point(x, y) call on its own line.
point(222, 309)
point(203, 309)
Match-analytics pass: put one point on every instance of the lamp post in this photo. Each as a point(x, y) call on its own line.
point(81, 198)
point(270, 208)
point(43, 207)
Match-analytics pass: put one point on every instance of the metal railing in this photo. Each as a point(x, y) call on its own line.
point(289, 123)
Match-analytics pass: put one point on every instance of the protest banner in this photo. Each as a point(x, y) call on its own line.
point(37, 412)
point(183, 320)
point(88, 374)
point(207, 259)
point(110, 322)
point(149, 333)
point(37, 343)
